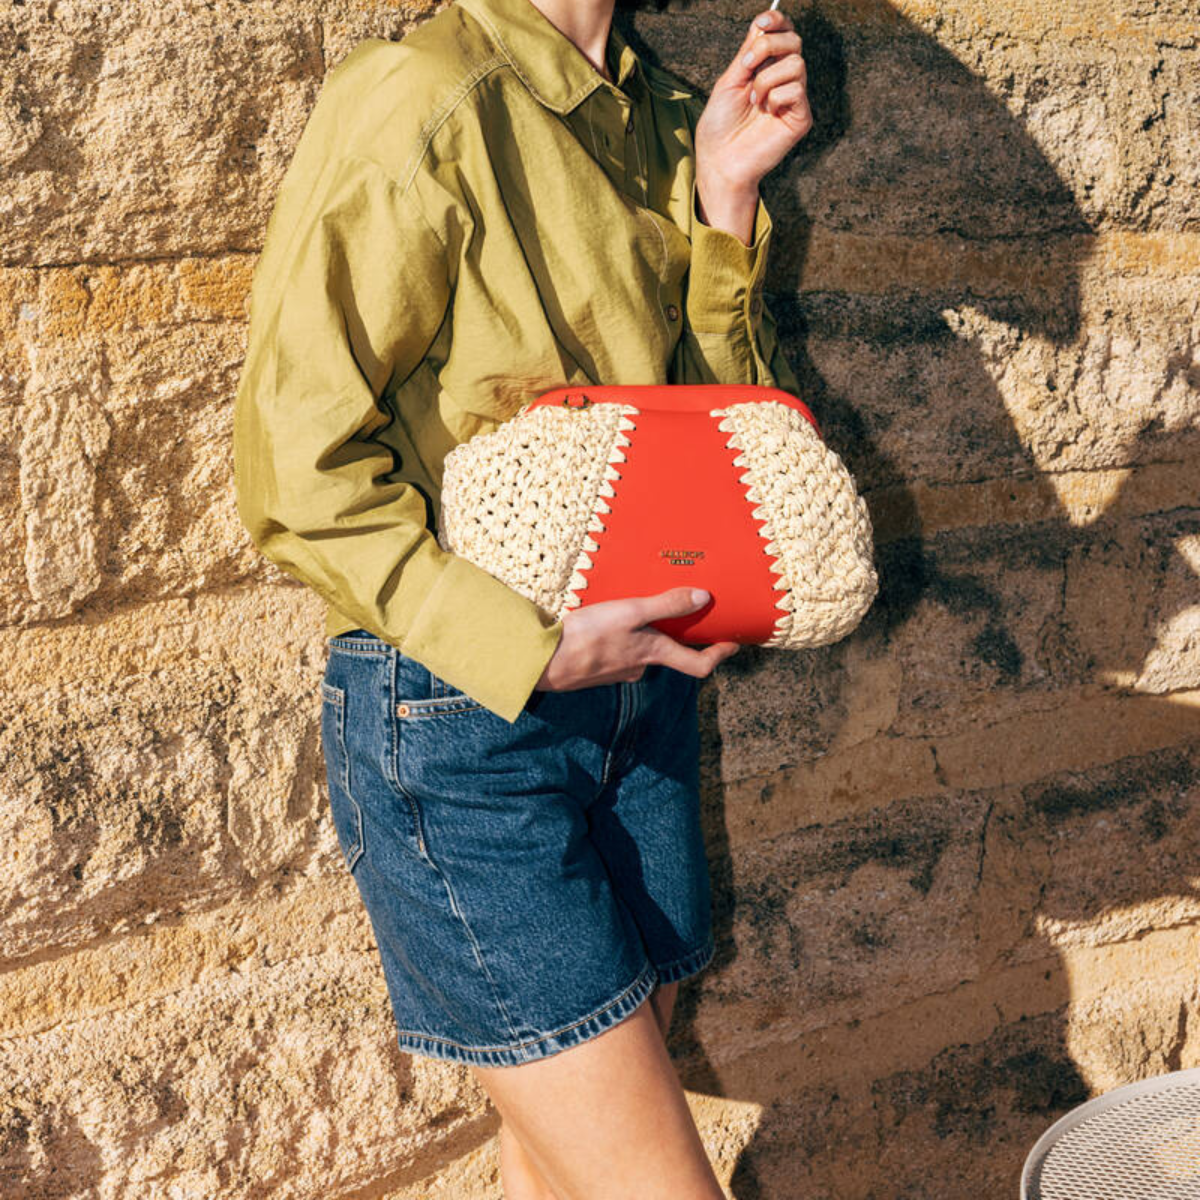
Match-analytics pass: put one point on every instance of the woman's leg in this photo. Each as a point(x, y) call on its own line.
point(608, 1118)
point(518, 1173)
point(663, 998)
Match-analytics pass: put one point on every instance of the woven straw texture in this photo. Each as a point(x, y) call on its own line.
point(816, 526)
point(522, 501)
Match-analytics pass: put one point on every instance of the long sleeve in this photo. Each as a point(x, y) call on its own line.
point(729, 333)
point(351, 289)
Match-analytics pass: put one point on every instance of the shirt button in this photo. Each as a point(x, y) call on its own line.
point(672, 312)
point(629, 124)
point(402, 710)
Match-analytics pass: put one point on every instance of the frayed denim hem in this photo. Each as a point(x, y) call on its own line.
point(690, 964)
point(594, 1023)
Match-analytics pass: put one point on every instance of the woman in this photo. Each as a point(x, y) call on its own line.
point(510, 200)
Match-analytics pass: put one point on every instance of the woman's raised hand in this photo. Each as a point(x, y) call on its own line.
point(758, 109)
point(612, 642)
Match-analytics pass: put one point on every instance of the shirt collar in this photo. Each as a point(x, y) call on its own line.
point(547, 61)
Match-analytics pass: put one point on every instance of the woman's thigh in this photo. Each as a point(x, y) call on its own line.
point(607, 1119)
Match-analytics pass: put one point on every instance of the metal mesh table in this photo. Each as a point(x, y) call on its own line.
point(1137, 1142)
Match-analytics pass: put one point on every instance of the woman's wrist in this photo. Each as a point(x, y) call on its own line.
point(726, 205)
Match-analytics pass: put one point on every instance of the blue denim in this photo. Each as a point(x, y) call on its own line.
point(528, 883)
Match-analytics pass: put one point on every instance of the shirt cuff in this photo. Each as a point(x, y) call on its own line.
point(482, 637)
point(725, 277)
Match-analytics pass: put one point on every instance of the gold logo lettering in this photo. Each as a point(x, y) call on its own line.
point(681, 558)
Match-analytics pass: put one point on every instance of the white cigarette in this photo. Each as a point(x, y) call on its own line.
point(774, 4)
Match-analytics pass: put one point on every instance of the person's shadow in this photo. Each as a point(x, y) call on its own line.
point(888, 986)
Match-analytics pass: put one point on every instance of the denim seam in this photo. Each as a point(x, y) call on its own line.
point(392, 766)
point(475, 947)
point(641, 986)
point(393, 770)
point(631, 740)
point(373, 651)
point(440, 706)
point(423, 850)
point(337, 697)
point(625, 739)
point(611, 751)
point(691, 963)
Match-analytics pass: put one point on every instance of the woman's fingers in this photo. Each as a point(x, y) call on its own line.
point(769, 46)
point(762, 44)
point(700, 663)
point(790, 72)
point(783, 96)
point(775, 21)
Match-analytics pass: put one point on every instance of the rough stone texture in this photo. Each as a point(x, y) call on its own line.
point(953, 855)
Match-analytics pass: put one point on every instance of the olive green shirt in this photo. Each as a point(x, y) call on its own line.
point(472, 216)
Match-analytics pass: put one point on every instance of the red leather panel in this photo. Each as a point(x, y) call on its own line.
point(680, 516)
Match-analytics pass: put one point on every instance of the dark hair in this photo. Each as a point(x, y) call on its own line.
point(636, 5)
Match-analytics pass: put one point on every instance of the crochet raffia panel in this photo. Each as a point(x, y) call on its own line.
point(523, 500)
point(816, 526)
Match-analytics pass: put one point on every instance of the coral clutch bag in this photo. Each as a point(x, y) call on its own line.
point(600, 493)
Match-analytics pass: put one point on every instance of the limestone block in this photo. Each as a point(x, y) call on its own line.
point(149, 128)
point(123, 459)
point(1173, 660)
point(1120, 848)
point(847, 919)
point(1081, 497)
point(283, 1080)
point(170, 510)
point(345, 22)
point(159, 792)
point(14, 586)
point(955, 1088)
point(970, 639)
point(64, 435)
point(972, 626)
point(1180, 84)
point(965, 118)
point(269, 635)
point(954, 389)
point(1130, 597)
point(289, 918)
point(18, 296)
point(770, 708)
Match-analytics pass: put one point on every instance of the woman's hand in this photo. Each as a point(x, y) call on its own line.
point(611, 642)
point(757, 112)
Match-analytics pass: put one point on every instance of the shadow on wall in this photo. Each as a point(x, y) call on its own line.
point(940, 337)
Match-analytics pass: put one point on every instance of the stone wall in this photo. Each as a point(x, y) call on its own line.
point(955, 855)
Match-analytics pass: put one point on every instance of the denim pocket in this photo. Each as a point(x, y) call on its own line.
point(347, 816)
point(420, 693)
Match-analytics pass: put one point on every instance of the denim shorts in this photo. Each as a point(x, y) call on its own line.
point(528, 883)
